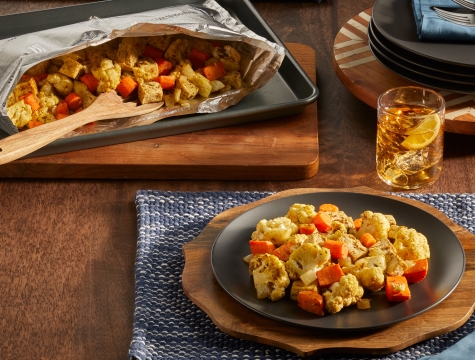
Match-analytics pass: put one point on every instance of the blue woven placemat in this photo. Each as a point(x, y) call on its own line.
point(167, 325)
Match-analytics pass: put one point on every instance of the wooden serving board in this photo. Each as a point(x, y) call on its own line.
point(366, 78)
point(200, 285)
point(276, 149)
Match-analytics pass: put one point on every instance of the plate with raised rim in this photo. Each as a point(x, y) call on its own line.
point(446, 264)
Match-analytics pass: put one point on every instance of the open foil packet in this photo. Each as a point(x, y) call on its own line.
point(260, 58)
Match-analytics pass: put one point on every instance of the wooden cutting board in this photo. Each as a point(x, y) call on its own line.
point(276, 149)
point(366, 78)
point(200, 285)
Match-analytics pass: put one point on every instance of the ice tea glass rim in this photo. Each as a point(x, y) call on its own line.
point(440, 109)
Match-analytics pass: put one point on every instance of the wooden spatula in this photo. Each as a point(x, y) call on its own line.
point(106, 106)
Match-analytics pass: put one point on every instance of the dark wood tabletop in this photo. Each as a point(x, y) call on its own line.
point(67, 247)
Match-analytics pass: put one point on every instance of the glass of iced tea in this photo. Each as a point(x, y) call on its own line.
point(410, 137)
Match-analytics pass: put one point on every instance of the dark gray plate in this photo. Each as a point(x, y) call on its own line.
point(422, 64)
point(395, 20)
point(419, 74)
point(288, 92)
point(446, 266)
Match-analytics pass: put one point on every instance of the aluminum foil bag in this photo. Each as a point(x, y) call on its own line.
point(260, 58)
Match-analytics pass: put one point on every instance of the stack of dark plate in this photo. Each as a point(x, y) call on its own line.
point(393, 39)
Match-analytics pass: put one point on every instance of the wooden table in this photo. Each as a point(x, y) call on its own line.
point(67, 247)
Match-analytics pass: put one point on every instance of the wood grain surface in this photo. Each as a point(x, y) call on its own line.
point(275, 149)
point(68, 246)
point(367, 78)
point(233, 318)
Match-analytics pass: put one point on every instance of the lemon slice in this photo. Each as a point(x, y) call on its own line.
point(424, 134)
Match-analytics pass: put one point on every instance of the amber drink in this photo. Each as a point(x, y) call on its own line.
point(410, 137)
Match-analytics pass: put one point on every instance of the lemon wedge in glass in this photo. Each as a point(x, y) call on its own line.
point(423, 134)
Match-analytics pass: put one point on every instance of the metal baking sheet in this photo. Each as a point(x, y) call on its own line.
point(289, 91)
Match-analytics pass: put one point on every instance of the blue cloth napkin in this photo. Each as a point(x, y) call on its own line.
point(167, 325)
point(430, 27)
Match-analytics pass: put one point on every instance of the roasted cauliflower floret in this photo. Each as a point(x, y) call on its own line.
point(394, 264)
point(270, 277)
point(369, 271)
point(277, 230)
point(71, 68)
point(86, 96)
point(62, 83)
point(344, 293)
point(108, 74)
point(298, 286)
point(374, 223)
point(43, 115)
point(149, 92)
point(19, 113)
point(409, 244)
point(301, 213)
point(129, 51)
point(304, 262)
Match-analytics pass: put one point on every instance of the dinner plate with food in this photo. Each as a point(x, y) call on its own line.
point(338, 260)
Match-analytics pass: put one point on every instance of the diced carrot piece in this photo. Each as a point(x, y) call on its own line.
point(311, 301)
point(126, 86)
point(166, 81)
point(197, 58)
point(152, 52)
point(63, 107)
point(307, 228)
point(323, 221)
point(214, 71)
point(78, 109)
point(32, 123)
point(329, 274)
point(261, 247)
point(215, 43)
point(397, 289)
point(338, 249)
point(283, 251)
point(90, 81)
point(164, 66)
point(357, 223)
point(328, 207)
point(31, 100)
point(74, 101)
point(367, 240)
point(418, 272)
point(60, 116)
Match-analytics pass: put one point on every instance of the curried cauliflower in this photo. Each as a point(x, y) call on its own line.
point(301, 213)
point(228, 56)
point(369, 271)
point(62, 83)
point(374, 223)
point(278, 230)
point(409, 244)
point(108, 74)
point(344, 293)
point(394, 264)
point(270, 277)
point(306, 261)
